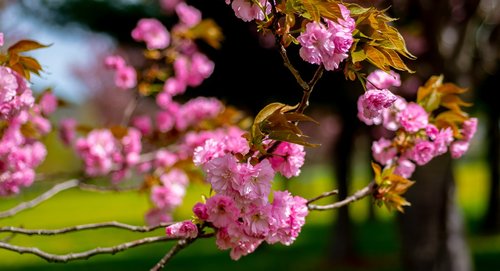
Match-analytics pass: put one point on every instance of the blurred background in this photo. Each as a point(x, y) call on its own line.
point(454, 220)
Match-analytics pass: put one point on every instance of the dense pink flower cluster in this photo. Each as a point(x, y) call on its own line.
point(240, 209)
point(23, 123)
point(102, 153)
point(327, 43)
point(417, 139)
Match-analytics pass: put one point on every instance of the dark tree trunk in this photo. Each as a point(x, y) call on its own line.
point(431, 229)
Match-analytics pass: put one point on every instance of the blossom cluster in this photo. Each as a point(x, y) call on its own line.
point(240, 209)
point(417, 137)
point(23, 122)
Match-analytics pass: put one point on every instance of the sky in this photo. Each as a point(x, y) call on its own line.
point(70, 47)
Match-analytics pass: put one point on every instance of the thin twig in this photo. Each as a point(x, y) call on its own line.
point(111, 224)
point(366, 191)
point(86, 254)
point(129, 110)
point(43, 197)
point(324, 195)
point(180, 245)
point(304, 103)
point(294, 71)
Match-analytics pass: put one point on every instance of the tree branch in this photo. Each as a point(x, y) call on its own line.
point(366, 191)
point(43, 197)
point(86, 254)
point(290, 67)
point(324, 195)
point(111, 224)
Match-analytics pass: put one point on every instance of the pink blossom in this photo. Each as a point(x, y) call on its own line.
point(222, 173)
point(165, 121)
point(459, 148)
point(390, 114)
point(196, 110)
point(114, 62)
point(383, 151)
point(442, 140)
point(469, 128)
point(288, 158)
point(258, 220)
point(174, 86)
point(156, 216)
point(48, 103)
point(165, 159)
point(222, 210)
point(327, 45)
point(413, 118)
point(422, 152)
point(1, 39)
point(8, 85)
point(168, 197)
point(200, 210)
point(143, 124)
point(405, 168)
point(373, 102)
point(184, 229)
point(97, 150)
point(289, 213)
point(15, 95)
point(380, 79)
point(67, 131)
point(126, 77)
point(188, 15)
point(255, 181)
point(174, 176)
point(153, 32)
point(248, 11)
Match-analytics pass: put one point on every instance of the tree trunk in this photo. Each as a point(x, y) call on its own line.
point(432, 231)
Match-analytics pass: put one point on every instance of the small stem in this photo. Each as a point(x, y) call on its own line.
point(324, 195)
point(366, 191)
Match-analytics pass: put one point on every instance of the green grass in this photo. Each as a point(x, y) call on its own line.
point(376, 240)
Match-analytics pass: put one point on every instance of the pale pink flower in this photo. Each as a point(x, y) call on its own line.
point(442, 140)
point(373, 102)
point(174, 86)
point(255, 181)
point(126, 77)
point(114, 62)
point(1, 39)
point(383, 151)
point(156, 216)
point(469, 128)
point(247, 11)
point(413, 118)
point(258, 220)
point(315, 42)
point(48, 103)
point(222, 210)
point(459, 148)
point(97, 150)
point(422, 152)
point(289, 213)
point(390, 114)
point(405, 168)
point(288, 158)
point(152, 32)
point(380, 79)
point(165, 159)
point(8, 85)
point(222, 173)
point(168, 197)
point(184, 229)
point(143, 124)
point(188, 15)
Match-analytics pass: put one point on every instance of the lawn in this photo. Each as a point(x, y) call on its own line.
point(310, 251)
